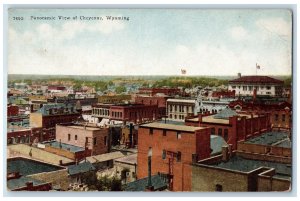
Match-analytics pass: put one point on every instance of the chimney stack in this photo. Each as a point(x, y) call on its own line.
point(225, 154)
point(130, 135)
point(254, 94)
point(149, 186)
point(29, 185)
point(239, 75)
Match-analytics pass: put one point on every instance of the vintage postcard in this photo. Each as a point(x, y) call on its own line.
point(147, 100)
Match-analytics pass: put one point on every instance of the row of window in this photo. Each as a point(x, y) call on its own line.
point(220, 133)
point(178, 134)
point(87, 139)
point(178, 155)
point(250, 88)
point(176, 116)
point(101, 112)
point(117, 114)
point(282, 117)
point(180, 108)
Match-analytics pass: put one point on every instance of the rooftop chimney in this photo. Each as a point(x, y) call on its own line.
point(254, 94)
point(149, 186)
point(225, 154)
point(29, 185)
point(239, 75)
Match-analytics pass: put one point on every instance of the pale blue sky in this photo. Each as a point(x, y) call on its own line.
point(152, 42)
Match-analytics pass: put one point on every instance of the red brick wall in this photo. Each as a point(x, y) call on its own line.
point(12, 110)
point(100, 135)
point(52, 120)
point(188, 144)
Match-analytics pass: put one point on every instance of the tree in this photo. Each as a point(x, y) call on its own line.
point(120, 89)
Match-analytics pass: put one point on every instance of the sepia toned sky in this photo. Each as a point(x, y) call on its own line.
point(152, 42)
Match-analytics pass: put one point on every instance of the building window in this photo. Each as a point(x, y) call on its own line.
point(105, 140)
point(212, 131)
point(219, 188)
point(283, 117)
point(94, 141)
point(179, 156)
point(220, 131)
point(233, 87)
point(226, 134)
point(69, 137)
point(250, 88)
point(151, 131)
point(268, 87)
point(75, 137)
point(164, 133)
point(178, 135)
point(276, 117)
point(164, 154)
point(244, 88)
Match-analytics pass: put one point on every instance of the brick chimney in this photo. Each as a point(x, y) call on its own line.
point(29, 185)
point(254, 94)
point(225, 154)
point(239, 75)
point(200, 118)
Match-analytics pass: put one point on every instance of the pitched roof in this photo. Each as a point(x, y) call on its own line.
point(80, 168)
point(158, 182)
point(256, 80)
point(225, 114)
point(216, 143)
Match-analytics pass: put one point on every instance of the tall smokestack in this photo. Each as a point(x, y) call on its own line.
point(130, 135)
point(149, 186)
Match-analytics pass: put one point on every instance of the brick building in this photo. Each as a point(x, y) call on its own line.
point(179, 109)
point(242, 172)
point(12, 110)
point(51, 114)
point(275, 143)
point(264, 85)
point(160, 101)
point(280, 112)
point(174, 147)
point(114, 99)
point(155, 91)
point(94, 138)
point(23, 135)
point(232, 126)
point(223, 94)
point(134, 113)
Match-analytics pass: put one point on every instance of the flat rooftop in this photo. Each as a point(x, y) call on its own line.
point(39, 154)
point(156, 125)
point(105, 157)
point(13, 184)
point(65, 146)
point(27, 166)
point(131, 159)
point(171, 122)
point(182, 100)
point(273, 138)
point(84, 128)
point(246, 165)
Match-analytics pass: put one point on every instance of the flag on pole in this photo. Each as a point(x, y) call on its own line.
point(183, 71)
point(257, 66)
